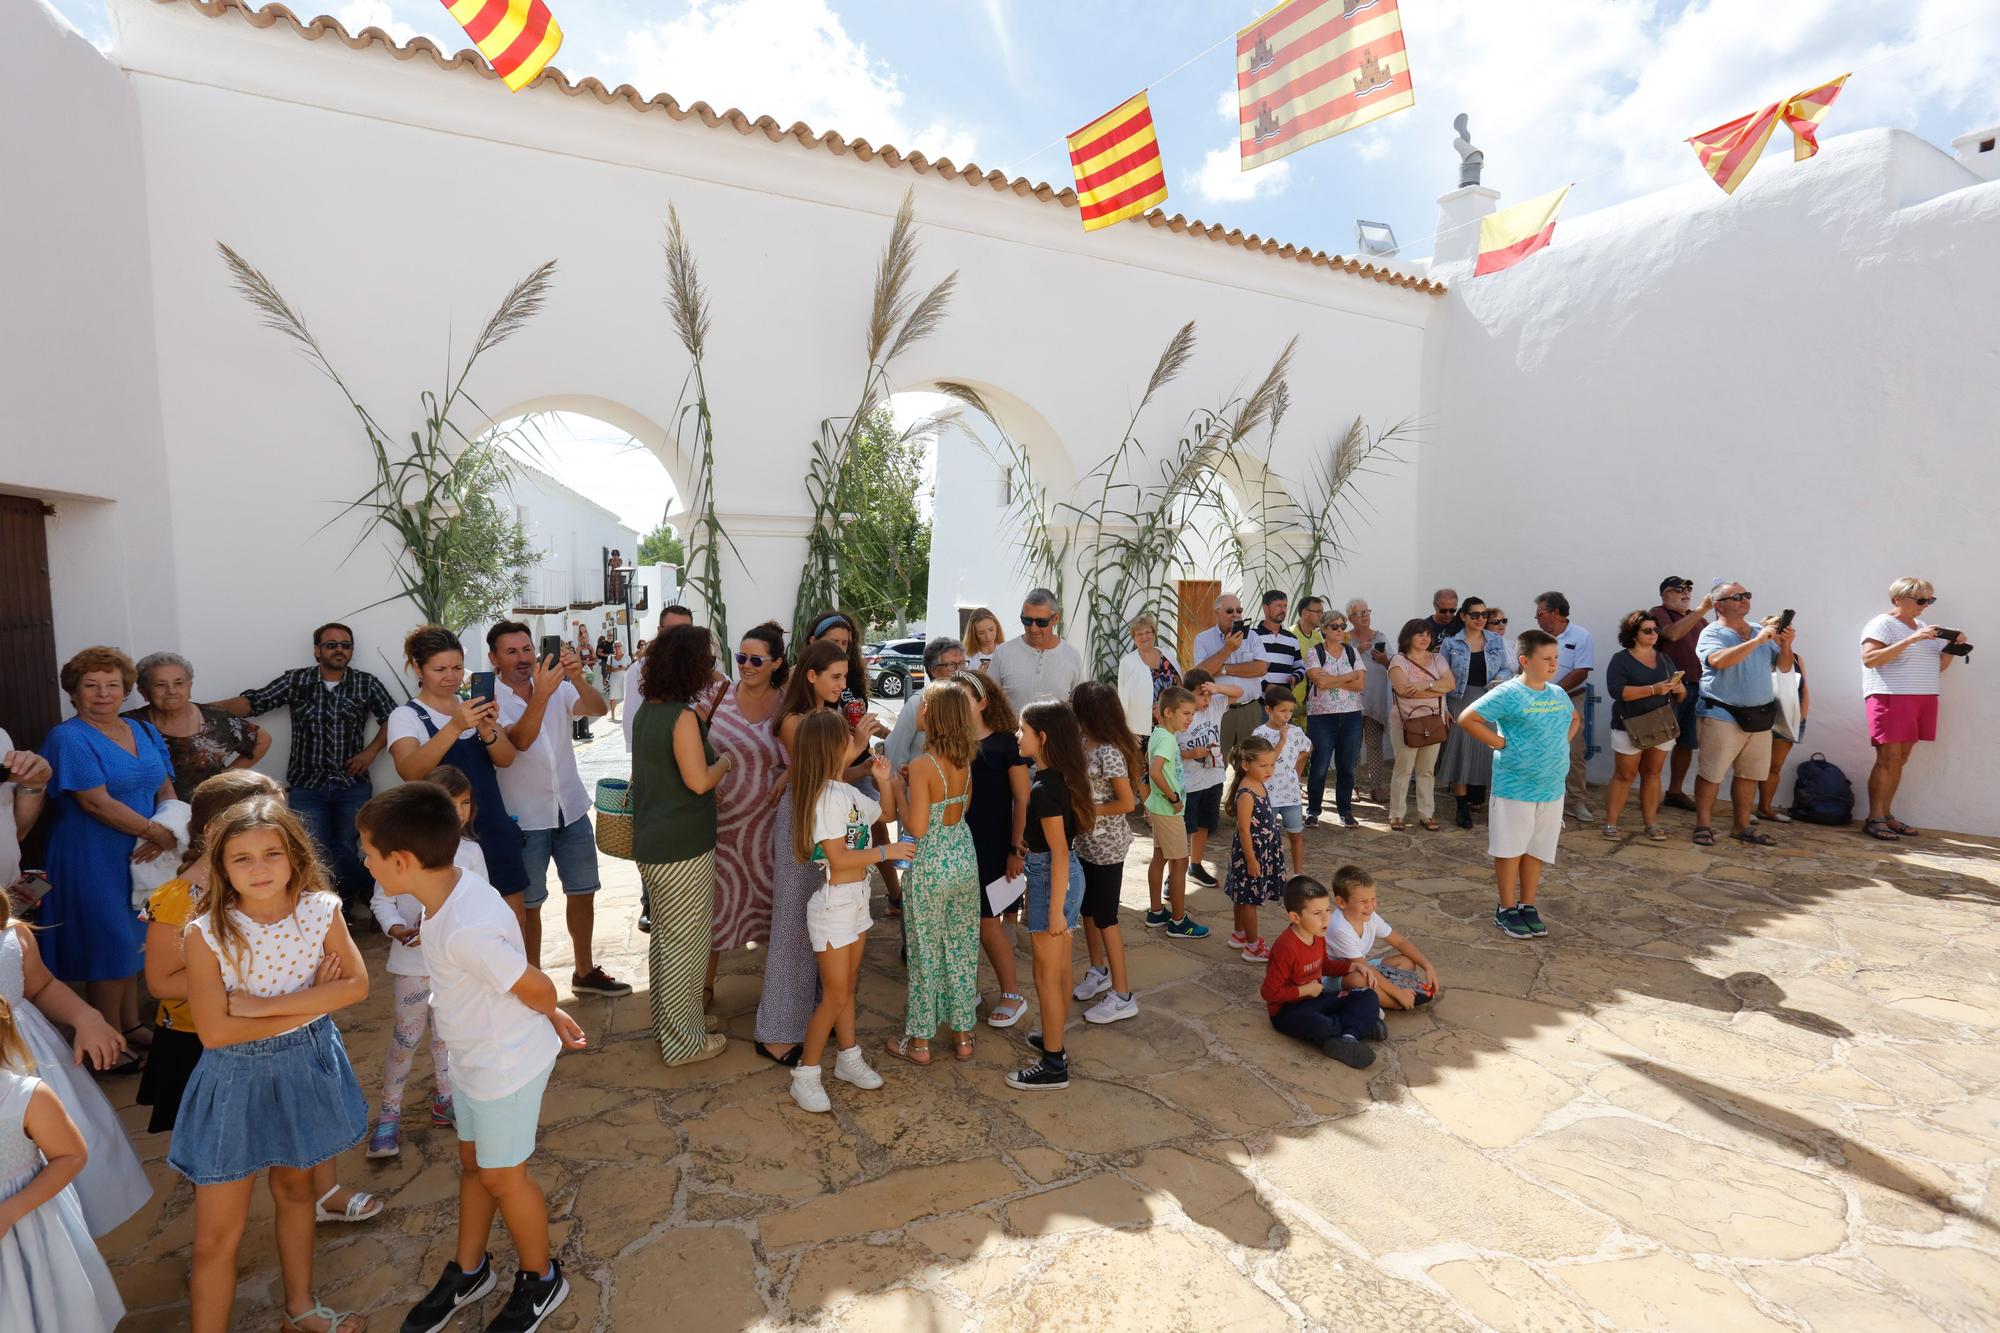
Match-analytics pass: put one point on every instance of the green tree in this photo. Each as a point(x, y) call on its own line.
point(483, 568)
point(885, 548)
point(661, 546)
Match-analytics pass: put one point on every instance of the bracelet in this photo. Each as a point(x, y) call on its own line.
point(30, 791)
point(494, 739)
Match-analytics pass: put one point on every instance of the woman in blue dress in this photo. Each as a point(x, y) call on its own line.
point(110, 775)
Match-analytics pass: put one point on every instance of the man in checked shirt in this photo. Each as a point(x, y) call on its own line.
point(327, 771)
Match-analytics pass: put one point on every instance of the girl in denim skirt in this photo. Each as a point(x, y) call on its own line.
point(1060, 811)
point(268, 959)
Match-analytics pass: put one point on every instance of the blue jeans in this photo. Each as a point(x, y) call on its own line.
point(574, 850)
point(329, 814)
point(1336, 740)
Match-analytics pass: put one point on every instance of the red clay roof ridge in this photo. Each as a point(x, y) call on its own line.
point(830, 140)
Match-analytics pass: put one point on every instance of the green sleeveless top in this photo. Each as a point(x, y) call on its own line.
point(669, 822)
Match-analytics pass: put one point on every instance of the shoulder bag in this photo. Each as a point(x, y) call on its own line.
point(1426, 729)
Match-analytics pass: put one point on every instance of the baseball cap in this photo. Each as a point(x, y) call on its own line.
point(1675, 581)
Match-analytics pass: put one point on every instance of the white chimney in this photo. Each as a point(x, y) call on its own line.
point(1979, 152)
point(1457, 239)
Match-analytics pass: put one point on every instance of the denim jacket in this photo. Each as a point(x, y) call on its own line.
point(1458, 655)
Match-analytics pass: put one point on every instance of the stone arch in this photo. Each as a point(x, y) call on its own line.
point(659, 441)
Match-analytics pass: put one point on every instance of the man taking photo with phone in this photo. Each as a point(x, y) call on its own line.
point(1736, 712)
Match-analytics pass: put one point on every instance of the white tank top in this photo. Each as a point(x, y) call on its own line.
point(281, 957)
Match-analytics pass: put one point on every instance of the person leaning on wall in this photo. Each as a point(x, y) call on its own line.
point(1903, 660)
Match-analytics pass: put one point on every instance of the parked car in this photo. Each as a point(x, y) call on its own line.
point(895, 668)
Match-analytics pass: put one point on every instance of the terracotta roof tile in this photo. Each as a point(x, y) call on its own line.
point(800, 132)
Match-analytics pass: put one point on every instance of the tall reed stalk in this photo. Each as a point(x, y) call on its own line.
point(687, 299)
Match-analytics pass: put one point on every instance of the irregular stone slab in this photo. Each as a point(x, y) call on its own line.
point(1212, 1194)
point(1928, 1138)
point(1691, 1195)
point(1662, 1292)
point(828, 1273)
point(890, 1202)
point(921, 1116)
point(1479, 1090)
point(1498, 971)
point(960, 1238)
point(1709, 1047)
point(1156, 1042)
point(1510, 1296)
point(1097, 1201)
point(1044, 1164)
point(1330, 1168)
point(903, 1309)
point(1960, 1287)
point(1093, 1117)
point(1555, 1035)
point(630, 1133)
point(764, 1148)
point(1226, 1096)
point(1606, 978)
point(667, 1274)
point(618, 1205)
point(1822, 1297)
point(1162, 1280)
point(1338, 1291)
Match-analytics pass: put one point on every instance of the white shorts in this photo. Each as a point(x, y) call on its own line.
point(837, 915)
point(1523, 828)
point(1622, 744)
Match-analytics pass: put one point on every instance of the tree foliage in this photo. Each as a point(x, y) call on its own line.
point(885, 548)
point(661, 546)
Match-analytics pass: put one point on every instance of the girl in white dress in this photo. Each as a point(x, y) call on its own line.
point(52, 1279)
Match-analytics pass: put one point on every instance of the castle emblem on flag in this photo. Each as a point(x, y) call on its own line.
point(1374, 75)
point(1349, 8)
point(1267, 124)
point(1261, 54)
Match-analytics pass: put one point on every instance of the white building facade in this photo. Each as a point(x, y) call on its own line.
point(1795, 386)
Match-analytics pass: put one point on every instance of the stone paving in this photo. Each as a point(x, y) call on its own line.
point(1739, 1089)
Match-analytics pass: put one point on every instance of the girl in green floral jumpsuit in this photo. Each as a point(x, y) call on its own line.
point(941, 887)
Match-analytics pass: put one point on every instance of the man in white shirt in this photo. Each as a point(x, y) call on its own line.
point(24, 777)
point(540, 701)
point(1237, 655)
point(1576, 658)
point(1039, 664)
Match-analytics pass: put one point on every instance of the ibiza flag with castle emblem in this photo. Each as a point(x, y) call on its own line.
point(517, 37)
point(1117, 163)
point(1728, 151)
point(1311, 69)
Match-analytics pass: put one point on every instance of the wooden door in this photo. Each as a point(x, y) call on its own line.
point(1195, 612)
point(30, 699)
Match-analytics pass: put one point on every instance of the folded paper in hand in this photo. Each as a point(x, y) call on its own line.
point(1003, 893)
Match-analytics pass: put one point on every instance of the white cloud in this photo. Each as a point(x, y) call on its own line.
point(1371, 144)
point(1228, 105)
point(789, 59)
point(358, 14)
point(1222, 180)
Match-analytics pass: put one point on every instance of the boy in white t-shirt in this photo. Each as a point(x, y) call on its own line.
point(1401, 977)
point(489, 1006)
point(1287, 784)
point(1205, 764)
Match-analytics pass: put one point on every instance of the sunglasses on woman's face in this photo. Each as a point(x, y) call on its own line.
point(1335, 624)
point(1923, 601)
point(1649, 629)
point(752, 660)
point(1475, 615)
point(1039, 622)
point(1496, 624)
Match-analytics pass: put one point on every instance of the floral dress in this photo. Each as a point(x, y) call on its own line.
point(941, 923)
point(745, 819)
point(1270, 849)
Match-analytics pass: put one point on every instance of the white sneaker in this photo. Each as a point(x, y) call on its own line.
point(1110, 1009)
point(1095, 982)
point(850, 1067)
point(808, 1091)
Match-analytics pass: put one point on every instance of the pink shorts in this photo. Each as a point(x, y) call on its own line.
point(1899, 719)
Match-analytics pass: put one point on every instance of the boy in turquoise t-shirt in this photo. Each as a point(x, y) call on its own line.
point(1164, 806)
point(1529, 722)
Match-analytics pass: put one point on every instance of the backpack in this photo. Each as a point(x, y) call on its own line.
point(1821, 793)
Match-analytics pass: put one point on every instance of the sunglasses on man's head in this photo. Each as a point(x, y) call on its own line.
point(344, 644)
point(1039, 622)
point(1923, 601)
point(753, 660)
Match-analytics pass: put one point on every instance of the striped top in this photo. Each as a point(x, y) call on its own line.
point(1281, 656)
point(1912, 671)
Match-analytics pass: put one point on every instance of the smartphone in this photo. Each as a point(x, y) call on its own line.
point(552, 646)
point(482, 685)
point(1677, 677)
point(1784, 620)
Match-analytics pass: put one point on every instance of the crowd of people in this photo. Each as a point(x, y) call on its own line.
point(761, 802)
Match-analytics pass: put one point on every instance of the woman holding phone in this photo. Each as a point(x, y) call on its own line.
point(1644, 687)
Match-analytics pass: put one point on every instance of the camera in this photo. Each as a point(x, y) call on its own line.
point(1785, 620)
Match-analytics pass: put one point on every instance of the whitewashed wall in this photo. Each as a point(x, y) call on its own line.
point(1797, 386)
point(570, 532)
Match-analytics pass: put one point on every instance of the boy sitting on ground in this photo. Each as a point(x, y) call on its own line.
point(1402, 978)
point(1295, 994)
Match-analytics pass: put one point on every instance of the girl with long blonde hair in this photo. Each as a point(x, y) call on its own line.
point(941, 887)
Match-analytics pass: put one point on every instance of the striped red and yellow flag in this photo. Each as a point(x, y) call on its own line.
point(517, 37)
point(1804, 113)
point(1512, 234)
point(1119, 172)
point(1727, 152)
point(1311, 69)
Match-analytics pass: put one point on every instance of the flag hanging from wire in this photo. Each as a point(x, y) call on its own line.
point(1119, 172)
point(1728, 151)
point(517, 37)
point(1512, 234)
point(1311, 69)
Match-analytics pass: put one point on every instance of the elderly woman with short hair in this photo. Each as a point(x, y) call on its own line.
point(201, 741)
point(1143, 673)
point(109, 777)
point(1902, 659)
point(1373, 647)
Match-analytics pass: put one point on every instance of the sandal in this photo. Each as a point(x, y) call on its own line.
point(128, 1063)
point(1657, 832)
point(1008, 1012)
point(1704, 836)
point(790, 1059)
point(964, 1047)
point(1900, 827)
point(1395, 826)
point(140, 1042)
point(1880, 828)
point(1430, 825)
point(361, 1207)
point(1612, 833)
point(1754, 838)
point(1774, 816)
point(906, 1048)
point(336, 1321)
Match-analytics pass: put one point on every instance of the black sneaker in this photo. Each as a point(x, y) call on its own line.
point(1349, 1051)
point(453, 1292)
point(1532, 919)
point(645, 922)
point(1381, 1032)
point(1199, 874)
point(1040, 1075)
point(533, 1301)
point(1312, 821)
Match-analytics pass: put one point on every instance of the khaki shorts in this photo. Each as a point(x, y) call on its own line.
point(1170, 835)
point(1724, 746)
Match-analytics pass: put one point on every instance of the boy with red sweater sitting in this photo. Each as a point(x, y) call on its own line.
point(1334, 1020)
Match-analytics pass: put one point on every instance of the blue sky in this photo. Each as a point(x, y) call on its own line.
point(1600, 92)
